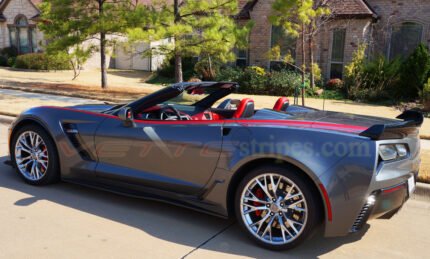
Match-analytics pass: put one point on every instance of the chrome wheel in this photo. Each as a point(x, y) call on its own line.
point(31, 156)
point(273, 209)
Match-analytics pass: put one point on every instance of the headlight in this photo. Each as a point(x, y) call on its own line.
point(393, 151)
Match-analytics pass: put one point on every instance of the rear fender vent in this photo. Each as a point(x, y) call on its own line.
point(72, 134)
point(364, 214)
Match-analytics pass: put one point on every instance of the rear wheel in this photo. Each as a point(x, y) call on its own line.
point(276, 207)
point(35, 156)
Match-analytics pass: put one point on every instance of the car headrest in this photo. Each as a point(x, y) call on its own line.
point(245, 109)
point(228, 104)
point(282, 104)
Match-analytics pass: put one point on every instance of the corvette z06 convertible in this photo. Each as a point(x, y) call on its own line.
point(281, 171)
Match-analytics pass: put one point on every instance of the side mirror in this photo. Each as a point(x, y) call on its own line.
point(126, 115)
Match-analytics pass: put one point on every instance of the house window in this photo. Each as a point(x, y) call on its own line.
point(22, 35)
point(286, 43)
point(405, 38)
point(241, 58)
point(337, 53)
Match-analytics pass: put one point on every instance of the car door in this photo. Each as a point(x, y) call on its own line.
point(178, 156)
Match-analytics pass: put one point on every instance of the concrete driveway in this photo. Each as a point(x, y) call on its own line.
point(68, 221)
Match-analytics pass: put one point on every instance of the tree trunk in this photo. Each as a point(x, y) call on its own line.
point(102, 51)
point(103, 60)
point(178, 68)
point(178, 57)
point(303, 63)
point(311, 61)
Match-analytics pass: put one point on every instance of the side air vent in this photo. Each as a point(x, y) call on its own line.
point(364, 214)
point(73, 135)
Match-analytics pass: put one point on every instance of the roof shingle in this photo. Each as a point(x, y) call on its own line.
point(351, 8)
point(340, 8)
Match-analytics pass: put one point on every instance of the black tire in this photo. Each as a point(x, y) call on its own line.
point(314, 207)
point(52, 174)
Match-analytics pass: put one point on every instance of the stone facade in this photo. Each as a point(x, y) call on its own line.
point(368, 22)
point(12, 10)
point(394, 12)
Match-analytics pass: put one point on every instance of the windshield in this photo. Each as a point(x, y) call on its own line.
point(187, 98)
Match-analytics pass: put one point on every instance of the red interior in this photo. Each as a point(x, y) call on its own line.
point(280, 103)
point(241, 108)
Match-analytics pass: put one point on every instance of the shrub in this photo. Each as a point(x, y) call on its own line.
point(283, 83)
point(11, 61)
point(229, 74)
point(317, 72)
point(3, 61)
point(335, 84)
point(371, 80)
point(258, 70)
point(426, 96)
point(415, 72)
point(42, 61)
point(167, 70)
point(9, 52)
point(253, 81)
point(207, 68)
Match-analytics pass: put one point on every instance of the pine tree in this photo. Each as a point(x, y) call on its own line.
point(89, 26)
point(295, 16)
point(196, 27)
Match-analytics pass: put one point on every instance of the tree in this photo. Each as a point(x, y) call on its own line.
point(197, 28)
point(415, 71)
point(323, 15)
point(295, 16)
point(84, 27)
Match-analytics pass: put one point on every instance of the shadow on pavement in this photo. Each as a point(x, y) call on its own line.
point(161, 220)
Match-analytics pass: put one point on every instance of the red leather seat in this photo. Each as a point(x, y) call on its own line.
point(282, 104)
point(245, 109)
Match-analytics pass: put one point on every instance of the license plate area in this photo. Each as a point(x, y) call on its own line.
point(411, 185)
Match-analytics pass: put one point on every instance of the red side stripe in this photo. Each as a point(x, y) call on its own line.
point(291, 123)
point(327, 203)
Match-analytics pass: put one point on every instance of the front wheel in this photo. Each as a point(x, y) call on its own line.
point(276, 207)
point(34, 155)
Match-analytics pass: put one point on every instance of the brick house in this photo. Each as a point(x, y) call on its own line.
point(18, 28)
point(390, 27)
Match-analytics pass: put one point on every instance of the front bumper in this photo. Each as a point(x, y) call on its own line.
point(383, 202)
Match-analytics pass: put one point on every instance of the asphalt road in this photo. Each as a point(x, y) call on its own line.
point(69, 221)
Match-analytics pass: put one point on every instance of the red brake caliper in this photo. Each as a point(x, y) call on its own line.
point(260, 195)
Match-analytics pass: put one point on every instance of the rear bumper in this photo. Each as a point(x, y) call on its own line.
point(383, 202)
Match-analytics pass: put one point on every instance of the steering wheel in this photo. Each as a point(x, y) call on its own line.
point(176, 114)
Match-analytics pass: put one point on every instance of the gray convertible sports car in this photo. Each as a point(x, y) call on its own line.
point(280, 171)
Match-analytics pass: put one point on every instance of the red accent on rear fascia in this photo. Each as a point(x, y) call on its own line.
point(327, 202)
point(292, 123)
point(393, 189)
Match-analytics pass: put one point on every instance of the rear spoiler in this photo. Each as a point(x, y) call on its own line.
point(412, 120)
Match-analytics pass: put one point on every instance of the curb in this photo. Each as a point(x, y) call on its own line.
point(422, 192)
point(62, 93)
point(7, 118)
point(426, 137)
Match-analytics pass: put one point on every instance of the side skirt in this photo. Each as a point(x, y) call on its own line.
point(189, 202)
